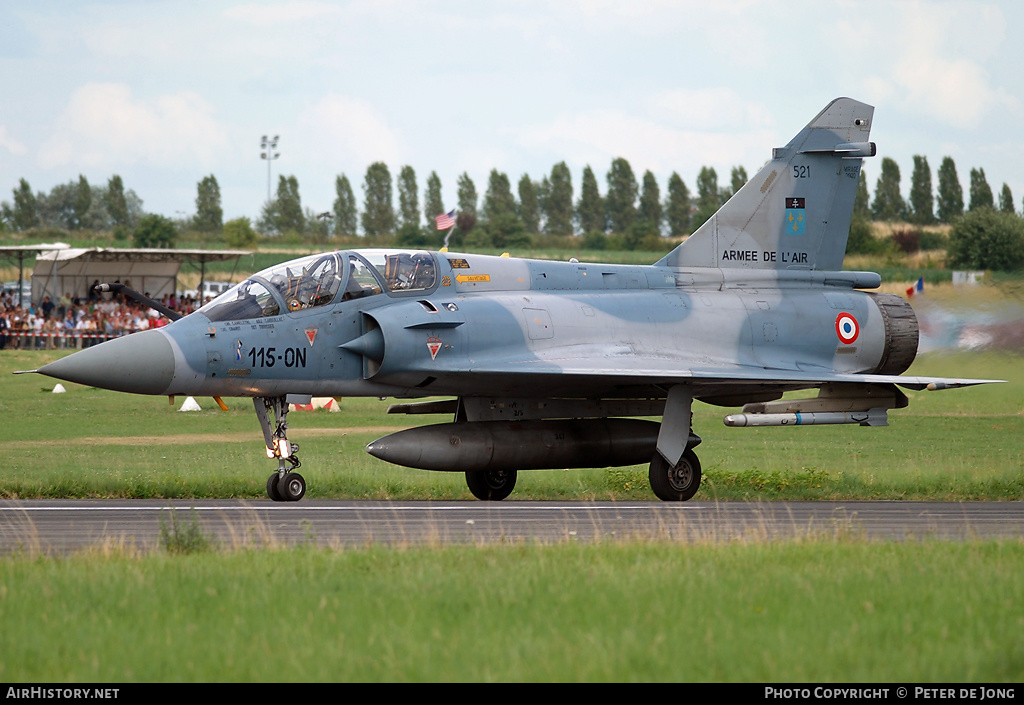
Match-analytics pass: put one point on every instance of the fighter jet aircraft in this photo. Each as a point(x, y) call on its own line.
point(543, 364)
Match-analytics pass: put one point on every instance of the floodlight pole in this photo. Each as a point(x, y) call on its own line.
point(268, 146)
point(324, 217)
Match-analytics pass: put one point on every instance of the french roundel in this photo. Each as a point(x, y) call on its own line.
point(847, 328)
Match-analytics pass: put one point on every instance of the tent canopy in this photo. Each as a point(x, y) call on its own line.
point(19, 253)
point(151, 271)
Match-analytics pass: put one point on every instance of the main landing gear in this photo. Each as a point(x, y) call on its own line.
point(680, 481)
point(491, 485)
point(285, 485)
point(676, 483)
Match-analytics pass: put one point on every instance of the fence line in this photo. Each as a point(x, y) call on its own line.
point(67, 340)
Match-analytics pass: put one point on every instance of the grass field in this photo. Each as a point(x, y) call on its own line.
point(964, 444)
point(823, 612)
point(837, 609)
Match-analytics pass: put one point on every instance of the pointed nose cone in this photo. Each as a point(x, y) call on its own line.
point(141, 363)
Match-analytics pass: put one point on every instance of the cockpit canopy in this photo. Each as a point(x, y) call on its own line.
point(319, 280)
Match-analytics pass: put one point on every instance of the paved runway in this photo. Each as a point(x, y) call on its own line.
point(58, 526)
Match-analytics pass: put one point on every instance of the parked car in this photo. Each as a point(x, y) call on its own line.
point(211, 290)
point(26, 289)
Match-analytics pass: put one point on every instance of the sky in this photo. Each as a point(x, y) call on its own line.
point(165, 93)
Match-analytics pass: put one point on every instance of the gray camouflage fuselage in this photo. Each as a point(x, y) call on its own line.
point(532, 328)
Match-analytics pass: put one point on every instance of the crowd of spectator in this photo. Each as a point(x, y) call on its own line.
point(76, 322)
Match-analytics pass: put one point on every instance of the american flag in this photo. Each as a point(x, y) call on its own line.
point(446, 220)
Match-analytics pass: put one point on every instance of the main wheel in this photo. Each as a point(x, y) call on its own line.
point(492, 485)
point(675, 484)
point(291, 487)
point(272, 488)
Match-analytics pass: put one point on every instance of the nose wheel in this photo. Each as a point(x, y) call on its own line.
point(290, 487)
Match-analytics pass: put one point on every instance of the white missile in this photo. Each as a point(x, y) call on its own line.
point(871, 417)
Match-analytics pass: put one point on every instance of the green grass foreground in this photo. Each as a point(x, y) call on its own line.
point(964, 444)
point(828, 611)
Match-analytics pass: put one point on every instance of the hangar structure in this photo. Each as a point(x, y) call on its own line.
point(147, 270)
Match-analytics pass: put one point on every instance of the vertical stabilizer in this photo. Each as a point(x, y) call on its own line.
point(795, 213)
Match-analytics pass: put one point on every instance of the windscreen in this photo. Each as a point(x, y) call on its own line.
point(319, 280)
point(293, 286)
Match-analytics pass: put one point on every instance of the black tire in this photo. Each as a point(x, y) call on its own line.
point(291, 487)
point(272, 488)
point(676, 484)
point(491, 485)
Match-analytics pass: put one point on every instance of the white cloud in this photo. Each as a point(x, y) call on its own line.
point(710, 109)
point(342, 132)
point(158, 91)
point(10, 144)
point(936, 61)
point(104, 125)
point(597, 137)
point(274, 14)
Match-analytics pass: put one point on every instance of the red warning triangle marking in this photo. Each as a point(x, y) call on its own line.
point(433, 344)
point(311, 334)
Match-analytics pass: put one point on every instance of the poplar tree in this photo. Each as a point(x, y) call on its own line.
point(557, 201)
point(981, 192)
point(501, 226)
point(467, 195)
point(498, 200)
point(433, 203)
point(862, 201)
point(378, 211)
point(708, 198)
point(922, 202)
point(951, 193)
point(650, 212)
point(1006, 200)
point(529, 204)
point(677, 207)
point(590, 208)
point(209, 216)
point(737, 180)
point(860, 239)
point(888, 203)
point(465, 220)
point(346, 215)
point(26, 207)
point(289, 205)
point(622, 194)
point(83, 201)
point(408, 198)
point(117, 204)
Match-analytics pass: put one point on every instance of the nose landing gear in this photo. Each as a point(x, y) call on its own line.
point(285, 485)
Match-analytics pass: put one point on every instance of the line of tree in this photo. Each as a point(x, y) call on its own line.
point(630, 214)
point(76, 205)
point(982, 235)
point(927, 206)
point(630, 208)
point(80, 206)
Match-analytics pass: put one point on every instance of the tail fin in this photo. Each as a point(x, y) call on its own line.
point(795, 213)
